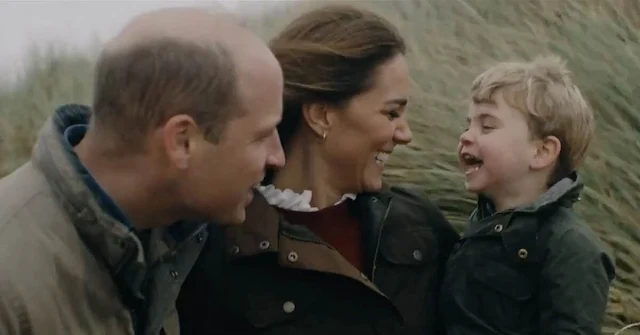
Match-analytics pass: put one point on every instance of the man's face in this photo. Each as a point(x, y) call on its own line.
point(225, 174)
point(239, 161)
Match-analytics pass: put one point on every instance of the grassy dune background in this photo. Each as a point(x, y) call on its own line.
point(452, 41)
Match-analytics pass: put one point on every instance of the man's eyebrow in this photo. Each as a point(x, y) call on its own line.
point(269, 128)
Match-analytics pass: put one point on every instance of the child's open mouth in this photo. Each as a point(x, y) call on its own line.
point(470, 163)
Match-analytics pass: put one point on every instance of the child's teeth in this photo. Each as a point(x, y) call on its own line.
point(473, 169)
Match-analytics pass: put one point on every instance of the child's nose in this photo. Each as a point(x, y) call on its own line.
point(466, 137)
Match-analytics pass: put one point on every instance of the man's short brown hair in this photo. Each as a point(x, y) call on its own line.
point(140, 87)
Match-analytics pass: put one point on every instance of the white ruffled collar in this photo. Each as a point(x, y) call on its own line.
point(293, 201)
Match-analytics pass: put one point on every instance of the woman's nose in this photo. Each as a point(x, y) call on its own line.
point(403, 134)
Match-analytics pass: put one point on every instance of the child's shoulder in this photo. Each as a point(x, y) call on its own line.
point(567, 233)
point(563, 220)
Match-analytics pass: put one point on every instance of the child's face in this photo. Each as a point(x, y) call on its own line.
point(496, 150)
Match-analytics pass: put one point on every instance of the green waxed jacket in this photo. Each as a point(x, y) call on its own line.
point(533, 270)
point(270, 277)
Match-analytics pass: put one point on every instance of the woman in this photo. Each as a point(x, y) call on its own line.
point(327, 248)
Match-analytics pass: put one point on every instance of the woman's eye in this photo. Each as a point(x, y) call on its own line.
point(393, 115)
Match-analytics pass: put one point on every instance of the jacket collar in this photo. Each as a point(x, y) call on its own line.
point(266, 231)
point(563, 193)
point(108, 236)
point(263, 221)
point(112, 241)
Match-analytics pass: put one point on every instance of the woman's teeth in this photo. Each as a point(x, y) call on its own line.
point(381, 158)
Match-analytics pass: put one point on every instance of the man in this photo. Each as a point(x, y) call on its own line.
point(99, 229)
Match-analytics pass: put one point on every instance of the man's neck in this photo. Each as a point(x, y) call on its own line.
point(125, 179)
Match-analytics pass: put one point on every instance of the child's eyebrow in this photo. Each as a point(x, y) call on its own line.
point(481, 116)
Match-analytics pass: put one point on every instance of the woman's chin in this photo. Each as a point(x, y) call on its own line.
point(373, 185)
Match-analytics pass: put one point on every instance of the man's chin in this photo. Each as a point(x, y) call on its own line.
point(231, 218)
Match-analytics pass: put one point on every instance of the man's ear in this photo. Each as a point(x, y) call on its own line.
point(547, 152)
point(318, 118)
point(180, 136)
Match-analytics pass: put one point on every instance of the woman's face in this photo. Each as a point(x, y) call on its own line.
point(363, 135)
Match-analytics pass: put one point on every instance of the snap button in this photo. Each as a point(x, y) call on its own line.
point(200, 237)
point(497, 228)
point(174, 274)
point(417, 255)
point(523, 253)
point(288, 307)
point(264, 245)
point(292, 257)
point(235, 250)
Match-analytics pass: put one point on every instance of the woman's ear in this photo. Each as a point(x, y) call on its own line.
point(317, 118)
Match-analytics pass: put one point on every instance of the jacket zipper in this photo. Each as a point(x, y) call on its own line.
point(375, 255)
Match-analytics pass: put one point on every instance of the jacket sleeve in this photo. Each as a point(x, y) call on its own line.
point(448, 238)
point(574, 286)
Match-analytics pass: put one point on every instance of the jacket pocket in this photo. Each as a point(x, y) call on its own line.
point(407, 268)
point(413, 246)
point(504, 281)
point(272, 298)
point(503, 296)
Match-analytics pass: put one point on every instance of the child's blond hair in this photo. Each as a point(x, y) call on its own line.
point(553, 104)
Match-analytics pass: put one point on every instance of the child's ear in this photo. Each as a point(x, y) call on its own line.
point(547, 152)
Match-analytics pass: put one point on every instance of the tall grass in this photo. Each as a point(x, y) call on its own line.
point(451, 41)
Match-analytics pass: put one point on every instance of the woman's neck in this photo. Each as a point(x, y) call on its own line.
point(306, 171)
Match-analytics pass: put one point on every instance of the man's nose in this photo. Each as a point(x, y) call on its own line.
point(276, 158)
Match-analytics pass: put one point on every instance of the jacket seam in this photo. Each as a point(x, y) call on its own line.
point(9, 218)
point(19, 310)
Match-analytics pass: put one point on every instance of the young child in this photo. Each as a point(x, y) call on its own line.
point(525, 263)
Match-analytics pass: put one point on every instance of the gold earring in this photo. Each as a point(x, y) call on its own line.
point(324, 136)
